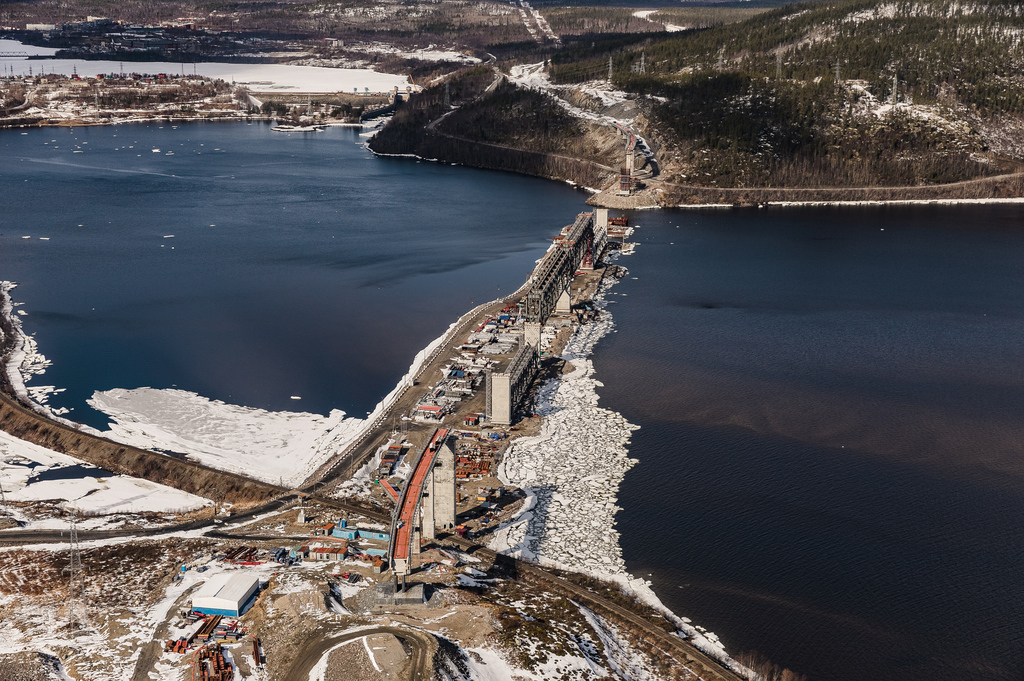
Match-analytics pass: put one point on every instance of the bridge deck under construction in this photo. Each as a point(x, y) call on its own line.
point(402, 536)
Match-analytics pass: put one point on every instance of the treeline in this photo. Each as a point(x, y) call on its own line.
point(931, 49)
point(405, 130)
point(740, 130)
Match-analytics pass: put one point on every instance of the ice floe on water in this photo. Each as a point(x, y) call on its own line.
point(572, 469)
point(571, 473)
point(25, 360)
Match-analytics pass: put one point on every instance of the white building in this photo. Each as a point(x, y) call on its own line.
point(226, 594)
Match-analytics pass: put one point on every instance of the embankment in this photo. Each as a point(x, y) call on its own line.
point(998, 187)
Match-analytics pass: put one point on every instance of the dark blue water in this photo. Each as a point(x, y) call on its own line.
point(299, 264)
point(832, 445)
point(73, 471)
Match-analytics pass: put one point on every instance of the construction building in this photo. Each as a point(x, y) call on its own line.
point(227, 594)
point(506, 389)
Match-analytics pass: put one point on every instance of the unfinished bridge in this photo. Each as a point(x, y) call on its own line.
point(577, 246)
point(425, 504)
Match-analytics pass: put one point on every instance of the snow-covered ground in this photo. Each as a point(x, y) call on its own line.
point(534, 77)
point(17, 47)
point(89, 490)
point(646, 14)
point(257, 77)
point(429, 53)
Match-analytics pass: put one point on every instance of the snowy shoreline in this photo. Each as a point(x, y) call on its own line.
point(891, 202)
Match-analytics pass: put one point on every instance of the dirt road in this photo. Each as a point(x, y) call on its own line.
point(421, 643)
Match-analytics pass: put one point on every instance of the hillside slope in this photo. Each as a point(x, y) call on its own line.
point(859, 93)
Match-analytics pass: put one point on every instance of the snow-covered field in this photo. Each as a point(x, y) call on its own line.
point(429, 53)
point(646, 14)
point(257, 77)
point(89, 490)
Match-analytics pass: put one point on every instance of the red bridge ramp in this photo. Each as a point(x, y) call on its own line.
point(402, 534)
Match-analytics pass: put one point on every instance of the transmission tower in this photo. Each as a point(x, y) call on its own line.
point(76, 581)
point(837, 71)
point(609, 69)
point(778, 63)
point(643, 63)
point(447, 96)
point(895, 85)
point(721, 60)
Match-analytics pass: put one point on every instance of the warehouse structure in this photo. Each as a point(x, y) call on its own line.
point(227, 594)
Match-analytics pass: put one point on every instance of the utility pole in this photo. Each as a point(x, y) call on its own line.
point(76, 618)
point(3, 498)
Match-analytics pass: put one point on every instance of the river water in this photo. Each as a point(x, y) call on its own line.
point(832, 444)
point(251, 266)
point(830, 453)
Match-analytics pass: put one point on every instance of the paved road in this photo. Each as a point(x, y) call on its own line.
point(420, 642)
point(21, 537)
point(219, 528)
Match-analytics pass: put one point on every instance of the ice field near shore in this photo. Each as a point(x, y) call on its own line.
point(571, 473)
point(279, 447)
point(572, 469)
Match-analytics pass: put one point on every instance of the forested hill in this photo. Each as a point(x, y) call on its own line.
point(861, 92)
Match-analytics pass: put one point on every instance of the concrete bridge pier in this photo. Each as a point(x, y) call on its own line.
point(531, 334)
point(563, 306)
